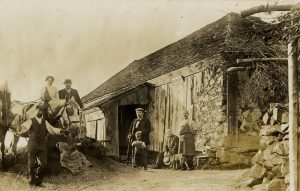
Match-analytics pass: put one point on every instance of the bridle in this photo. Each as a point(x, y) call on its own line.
point(59, 115)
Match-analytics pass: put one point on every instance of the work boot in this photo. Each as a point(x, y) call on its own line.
point(187, 166)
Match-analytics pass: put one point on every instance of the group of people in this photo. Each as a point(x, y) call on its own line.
point(49, 92)
point(176, 148)
point(38, 128)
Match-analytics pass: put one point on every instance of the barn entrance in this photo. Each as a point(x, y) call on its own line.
point(126, 115)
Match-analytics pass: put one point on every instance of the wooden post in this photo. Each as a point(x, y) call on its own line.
point(293, 115)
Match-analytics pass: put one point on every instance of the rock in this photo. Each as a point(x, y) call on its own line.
point(272, 121)
point(281, 148)
point(266, 118)
point(271, 159)
point(284, 127)
point(254, 181)
point(258, 171)
point(287, 179)
point(267, 140)
point(259, 187)
point(258, 158)
point(270, 130)
point(285, 166)
point(285, 138)
point(277, 114)
point(285, 117)
point(288, 188)
point(276, 185)
point(266, 180)
point(276, 171)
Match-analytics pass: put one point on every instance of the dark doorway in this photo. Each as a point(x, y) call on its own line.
point(126, 115)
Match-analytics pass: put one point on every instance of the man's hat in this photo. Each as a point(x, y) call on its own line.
point(167, 160)
point(140, 109)
point(138, 134)
point(67, 81)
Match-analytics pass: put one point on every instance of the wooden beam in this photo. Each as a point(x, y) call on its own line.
point(249, 60)
point(293, 115)
point(268, 8)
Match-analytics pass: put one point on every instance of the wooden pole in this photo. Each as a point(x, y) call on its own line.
point(249, 60)
point(293, 114)
point(294, 150)
point(235, 69)
point(268, 8)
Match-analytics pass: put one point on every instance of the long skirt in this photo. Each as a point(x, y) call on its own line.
point(186, 145)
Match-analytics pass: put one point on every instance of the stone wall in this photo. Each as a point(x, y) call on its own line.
point(270, 170)
point(202, 94)
point(208, 105)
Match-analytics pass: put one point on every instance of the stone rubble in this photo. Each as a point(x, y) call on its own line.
point(270, 168)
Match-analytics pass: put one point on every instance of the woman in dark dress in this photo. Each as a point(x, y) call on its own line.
point(186, 141)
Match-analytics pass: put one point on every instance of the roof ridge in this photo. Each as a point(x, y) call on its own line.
point(214, 38)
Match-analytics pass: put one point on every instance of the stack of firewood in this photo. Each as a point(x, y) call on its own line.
point(271, 167)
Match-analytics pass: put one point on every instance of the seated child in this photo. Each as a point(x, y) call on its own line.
point(139, 151)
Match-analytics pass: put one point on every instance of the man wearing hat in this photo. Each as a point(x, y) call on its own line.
point(170, 149)
point(68, 93)
point(139, 124)
point(38, 128)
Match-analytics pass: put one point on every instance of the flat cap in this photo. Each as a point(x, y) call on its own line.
point(140, 109)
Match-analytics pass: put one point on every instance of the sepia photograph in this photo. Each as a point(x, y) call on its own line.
point(158, 95)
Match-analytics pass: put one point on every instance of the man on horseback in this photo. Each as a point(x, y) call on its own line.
point(38, 128)
point(68, 93)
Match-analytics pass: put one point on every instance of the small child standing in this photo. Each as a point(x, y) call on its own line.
point(140, 152)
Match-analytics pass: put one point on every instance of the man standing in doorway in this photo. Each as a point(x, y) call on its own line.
point(68, 92)
point(139, 124)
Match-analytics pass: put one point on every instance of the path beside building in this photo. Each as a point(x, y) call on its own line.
point(111, 175)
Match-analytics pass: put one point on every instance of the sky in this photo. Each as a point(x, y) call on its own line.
point(91, 40)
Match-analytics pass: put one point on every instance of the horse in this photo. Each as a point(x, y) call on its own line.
point(60, 113)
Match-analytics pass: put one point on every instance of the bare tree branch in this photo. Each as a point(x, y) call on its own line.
point(268, 8)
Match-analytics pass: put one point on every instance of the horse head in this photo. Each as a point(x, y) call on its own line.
point(70, 113)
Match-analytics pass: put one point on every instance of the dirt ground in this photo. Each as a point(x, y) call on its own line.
point(107, 174)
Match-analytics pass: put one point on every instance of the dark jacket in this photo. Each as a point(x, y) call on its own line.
point(144, 127)
point(38, 132)
point(63, 94)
